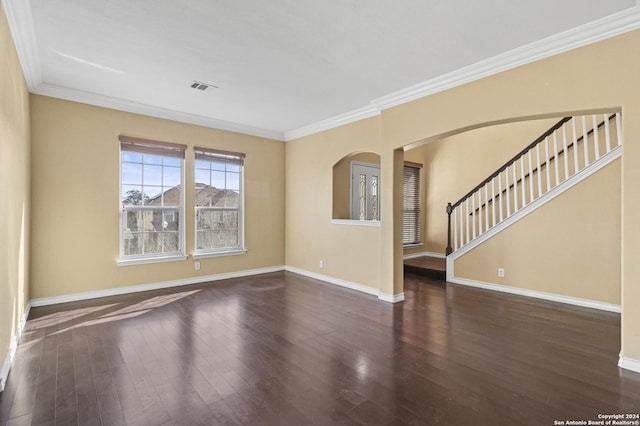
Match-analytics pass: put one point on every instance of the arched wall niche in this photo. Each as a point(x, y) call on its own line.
point(342, 181)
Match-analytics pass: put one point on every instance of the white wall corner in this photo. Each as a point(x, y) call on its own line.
point(629, 364)
point(391, 298)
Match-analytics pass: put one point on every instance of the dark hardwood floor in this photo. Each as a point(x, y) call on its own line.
point(282, 349)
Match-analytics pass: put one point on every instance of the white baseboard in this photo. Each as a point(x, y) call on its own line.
point(423, 254)
point(332, 280)
point(44, 301)
point(6, 366)
point(629, 364)
point(586, 303)
point(391, 298)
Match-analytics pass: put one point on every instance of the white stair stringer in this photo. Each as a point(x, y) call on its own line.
point(592, 168)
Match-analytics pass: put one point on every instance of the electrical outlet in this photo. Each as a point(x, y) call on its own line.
point(500, 273)
point(321, 264)
point(197, 266)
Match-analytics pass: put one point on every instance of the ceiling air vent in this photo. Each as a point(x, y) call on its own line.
point(198, 85)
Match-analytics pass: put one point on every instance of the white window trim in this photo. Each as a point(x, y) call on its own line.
point(144, 260)
point(151, 258)
point(373, 223)
point(204, 255)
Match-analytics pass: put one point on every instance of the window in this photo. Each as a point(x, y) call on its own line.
point(365, 202)
point(411, 204)
point(219, 202)
point(152, 200)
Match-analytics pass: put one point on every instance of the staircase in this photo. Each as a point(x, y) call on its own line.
point(567, 153)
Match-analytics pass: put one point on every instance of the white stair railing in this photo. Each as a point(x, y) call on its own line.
point(566, 149)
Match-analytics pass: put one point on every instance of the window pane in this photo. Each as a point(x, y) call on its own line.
point(171, 220)
point(218, 179)
point(132, 173)
point(171, 176)
point(233, 181)
point(131, 157)
point(153, 196)
point(233, 168)
point(131, 195)
point(204, 240)
point(132, 221)
point(132, 243)
point(230, 219)
point(217, 165)
point(152, 159)
point(202, 164)
point(231, 199)
point(228, 238)
point(171, 161)
point(172, 197)
point(207, 219)
point(153, 242)
point(203, 176)
point(171, 242)
point(152, 175)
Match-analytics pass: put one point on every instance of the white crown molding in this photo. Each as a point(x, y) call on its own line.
point(75, 95)
point(576, 301)
point(629, 364)
point(6, 366)
point(333, 122)
point(54, 300)
point(601, 29)
point(20, 21)
point(21, 25)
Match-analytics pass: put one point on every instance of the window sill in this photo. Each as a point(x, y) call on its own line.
point(219, 253)
point(145, 260)
point(375, 223)
point(410, 246)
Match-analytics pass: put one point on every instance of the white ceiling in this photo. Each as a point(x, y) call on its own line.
point(288, 67)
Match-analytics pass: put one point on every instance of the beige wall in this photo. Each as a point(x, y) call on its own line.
point(342, 182)
point(599, 77)
point(75, 198)
point(350, 252)
point(454, 165)
point(14, 181)
point(602, 76)
point(570, 247)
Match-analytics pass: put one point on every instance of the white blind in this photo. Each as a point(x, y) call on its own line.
point(148, 146)
point(219, 156)
point(411, 205)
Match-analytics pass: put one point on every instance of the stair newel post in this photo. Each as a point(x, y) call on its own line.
point(449, 210)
